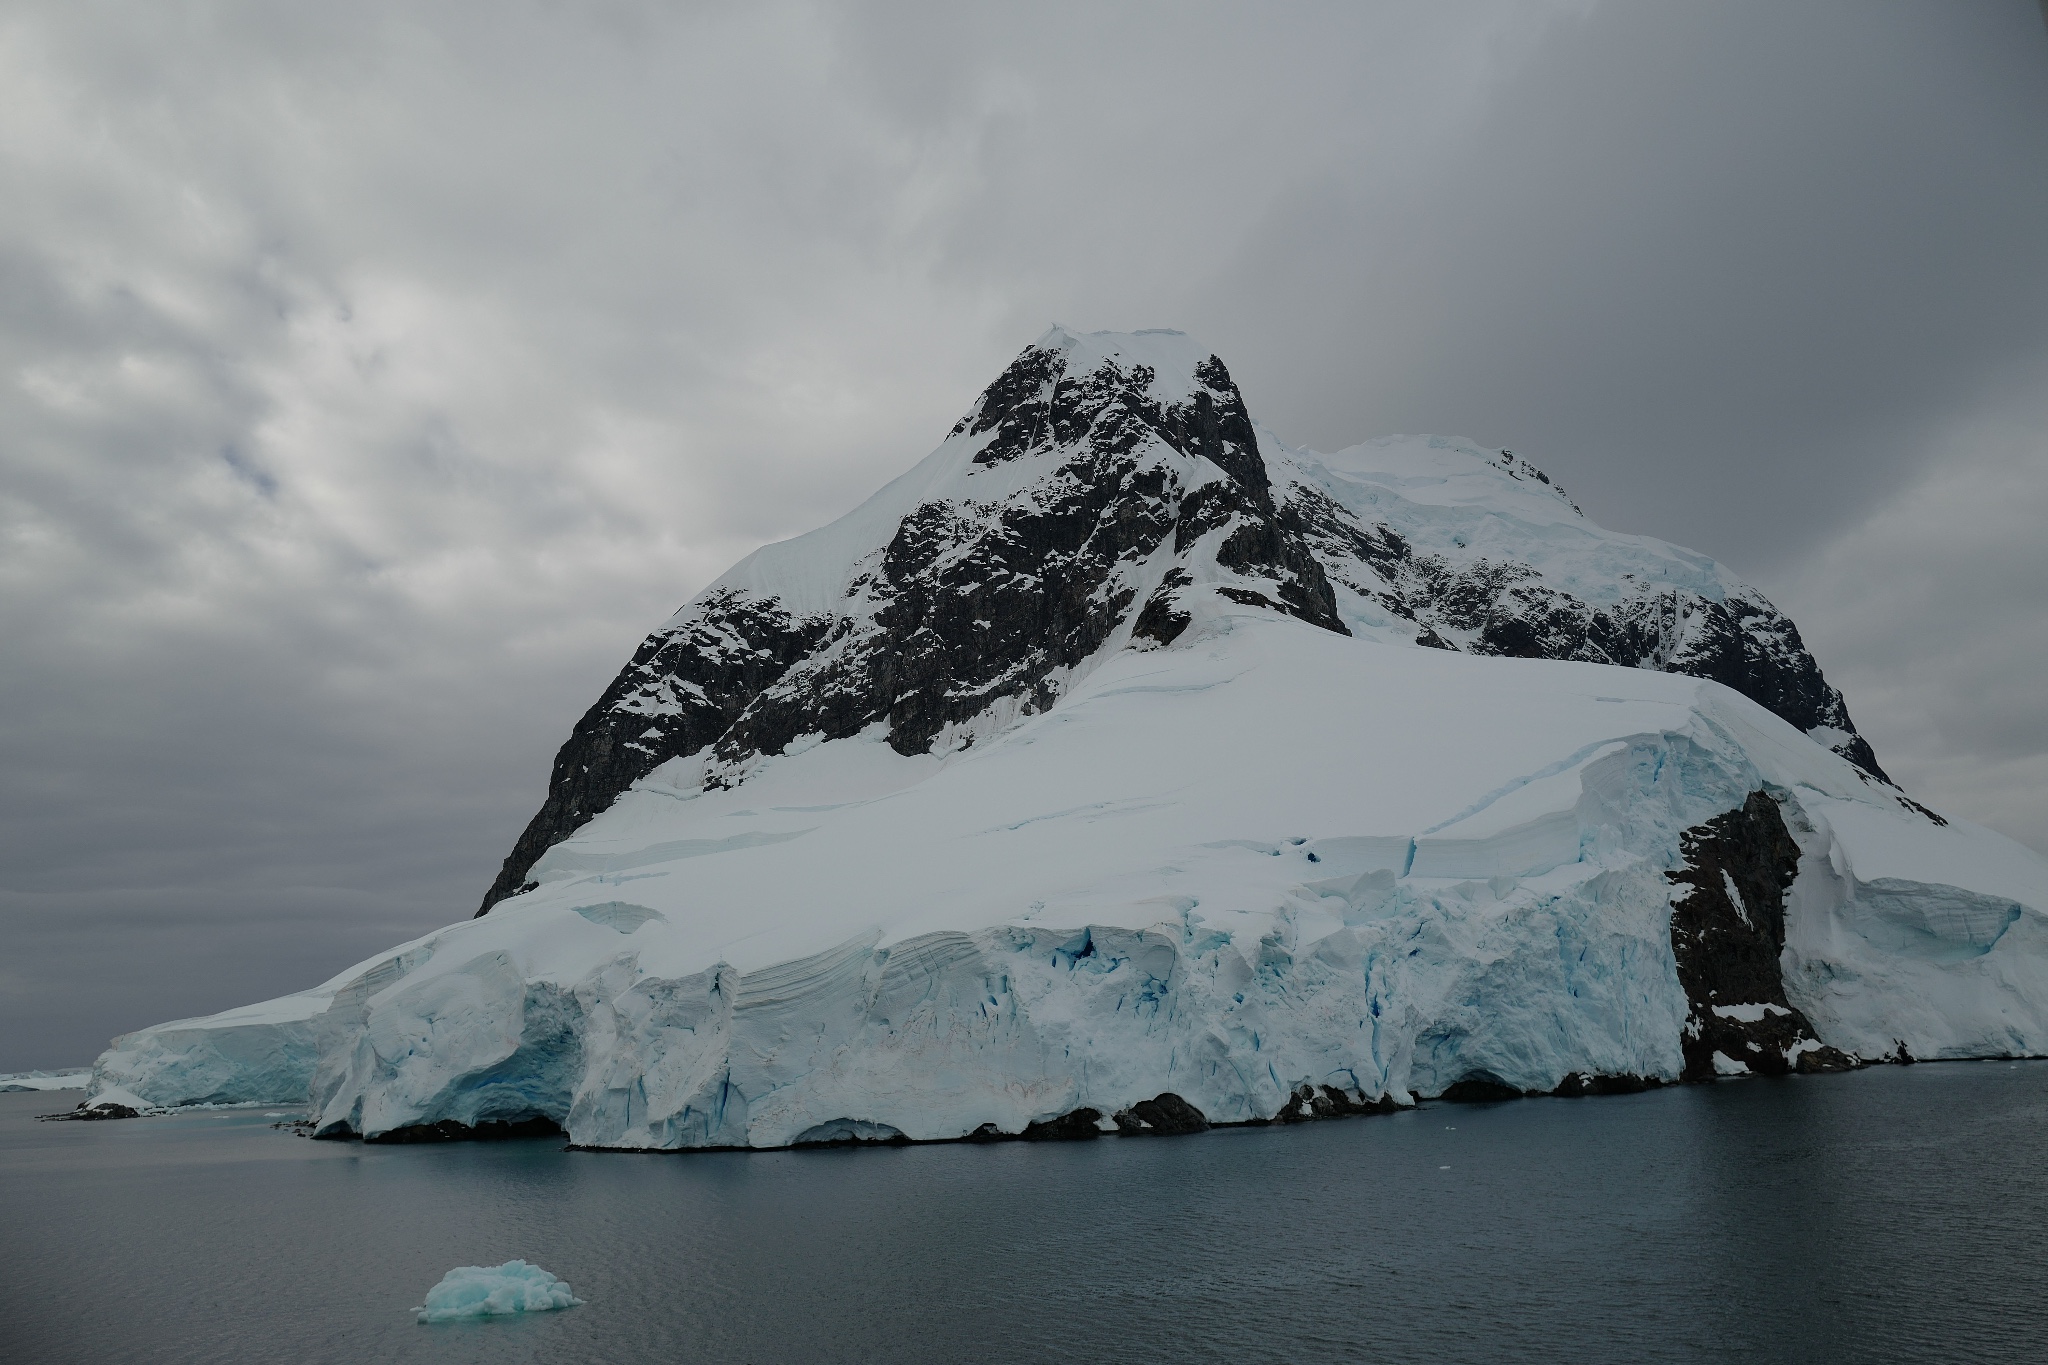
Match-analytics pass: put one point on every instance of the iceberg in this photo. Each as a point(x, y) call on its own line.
point(476, 1291)
point(1122, 769)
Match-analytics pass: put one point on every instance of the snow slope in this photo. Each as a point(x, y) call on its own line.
point(1091, 776)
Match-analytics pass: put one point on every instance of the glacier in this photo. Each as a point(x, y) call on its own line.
point(1320, 787)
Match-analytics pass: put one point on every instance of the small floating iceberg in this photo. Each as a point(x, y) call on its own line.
point(480, 1291)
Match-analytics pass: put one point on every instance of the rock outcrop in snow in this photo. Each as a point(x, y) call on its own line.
point(1122, 769)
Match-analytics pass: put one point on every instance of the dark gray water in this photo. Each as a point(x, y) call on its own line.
point(1894, 1214)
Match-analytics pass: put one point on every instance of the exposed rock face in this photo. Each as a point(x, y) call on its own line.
point(686, 685)
point(1727, 932)
point(1096, 494)
point(448, 1130)
point(1078, 1126)
point(1328, 1102)
point(1479, 604)
point(1166, 1115)
point(970, 602)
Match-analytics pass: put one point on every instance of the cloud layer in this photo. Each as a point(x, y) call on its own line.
point(371, 378)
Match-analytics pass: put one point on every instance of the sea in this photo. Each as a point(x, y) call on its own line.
point(1894, 1214)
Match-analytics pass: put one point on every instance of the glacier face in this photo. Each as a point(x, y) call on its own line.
point(1231, 834)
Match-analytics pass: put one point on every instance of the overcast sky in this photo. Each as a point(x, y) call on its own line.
point(373, 378)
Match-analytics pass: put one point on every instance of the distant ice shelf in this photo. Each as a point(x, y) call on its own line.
point(73, 1078)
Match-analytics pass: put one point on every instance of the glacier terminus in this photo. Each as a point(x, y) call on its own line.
point(1122, 768)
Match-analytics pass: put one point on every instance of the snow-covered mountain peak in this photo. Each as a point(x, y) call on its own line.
point(1033, 438)
point(1110, 491)
point(1170, 358)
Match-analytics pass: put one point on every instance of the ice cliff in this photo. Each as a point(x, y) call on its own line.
point(1120, 767)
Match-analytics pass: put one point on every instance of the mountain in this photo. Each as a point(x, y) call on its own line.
point(1099, 472)
point(1121, 767)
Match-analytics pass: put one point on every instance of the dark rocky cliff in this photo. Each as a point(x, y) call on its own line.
point(1727, 933)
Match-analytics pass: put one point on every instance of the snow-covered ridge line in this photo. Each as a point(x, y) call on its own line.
point(1121, 767)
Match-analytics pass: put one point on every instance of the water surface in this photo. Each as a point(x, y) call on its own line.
point(1893, 1214)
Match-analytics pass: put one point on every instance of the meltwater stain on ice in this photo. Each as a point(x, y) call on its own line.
point(480, 1291)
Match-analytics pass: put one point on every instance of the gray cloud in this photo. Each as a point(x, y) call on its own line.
point(1725, 268)
point(372, 379)
point(1929, 606)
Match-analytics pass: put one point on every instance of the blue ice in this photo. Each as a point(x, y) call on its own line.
point(480, 1291)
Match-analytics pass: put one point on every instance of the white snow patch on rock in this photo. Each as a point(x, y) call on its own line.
point(1749, 1014)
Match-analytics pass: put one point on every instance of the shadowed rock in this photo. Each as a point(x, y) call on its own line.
point(1727, 932)
point(1166, 1115)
